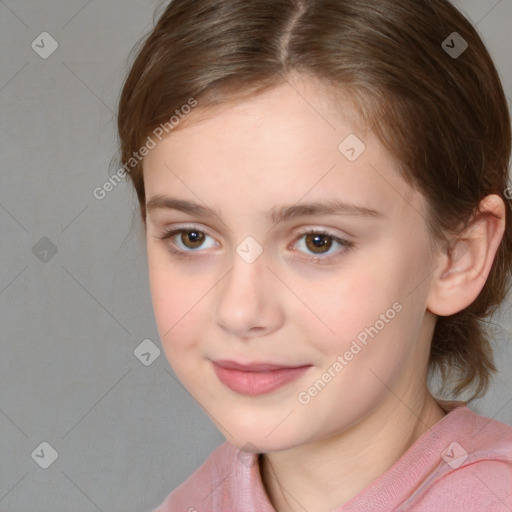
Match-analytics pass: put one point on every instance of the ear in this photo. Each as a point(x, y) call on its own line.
point(464, 265)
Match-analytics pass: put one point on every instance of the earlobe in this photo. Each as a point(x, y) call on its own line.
point(465, 264)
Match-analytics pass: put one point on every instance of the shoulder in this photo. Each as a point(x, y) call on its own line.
point(484, 485)
point(483, 438)
point(193, 493)
point(475, 469)
point(487, 474)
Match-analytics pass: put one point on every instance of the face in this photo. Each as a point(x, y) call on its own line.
point(287, 323)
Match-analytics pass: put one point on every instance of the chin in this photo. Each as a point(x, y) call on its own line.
point(260, 438)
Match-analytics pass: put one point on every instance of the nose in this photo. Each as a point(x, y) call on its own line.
point(248, 303)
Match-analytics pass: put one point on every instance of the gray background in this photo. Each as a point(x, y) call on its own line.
point(125, 433)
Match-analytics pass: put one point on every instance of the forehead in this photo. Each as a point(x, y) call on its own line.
point(297, 93)
point(280, 146)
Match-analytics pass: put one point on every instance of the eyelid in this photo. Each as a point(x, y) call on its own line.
point(332, 232)
point(345, 243)
point(299, 233)
point(184, 227)
point(171, 232)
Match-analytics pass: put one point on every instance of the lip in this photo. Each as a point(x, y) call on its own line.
point(256, 378)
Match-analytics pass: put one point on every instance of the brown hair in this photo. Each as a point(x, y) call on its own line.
point(443, 117)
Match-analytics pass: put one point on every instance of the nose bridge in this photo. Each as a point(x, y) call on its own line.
point(246, 298)
point(247, 277)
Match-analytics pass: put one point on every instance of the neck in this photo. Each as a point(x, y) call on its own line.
point(325, 474)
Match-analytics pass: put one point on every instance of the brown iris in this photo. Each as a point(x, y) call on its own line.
point(194, 238)
point(317, 242)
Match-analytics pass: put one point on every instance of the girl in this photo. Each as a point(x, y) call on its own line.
point(323, 188)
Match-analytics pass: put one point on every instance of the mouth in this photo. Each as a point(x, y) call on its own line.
point(256, 378)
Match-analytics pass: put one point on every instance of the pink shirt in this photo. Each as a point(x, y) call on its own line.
point(462, 464)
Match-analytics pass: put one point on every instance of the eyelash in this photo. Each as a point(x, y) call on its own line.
point(346, 244)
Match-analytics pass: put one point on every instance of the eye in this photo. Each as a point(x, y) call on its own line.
point(319, 243)
point(322, 246)
point(185, 240)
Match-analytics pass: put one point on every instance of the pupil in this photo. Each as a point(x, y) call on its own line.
point(319, 242)
point(319, 238)
point(192, 238)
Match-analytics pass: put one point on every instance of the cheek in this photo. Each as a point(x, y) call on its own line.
point(380, 311)
point(177, 299)
point(342, 306)
point(364, 315)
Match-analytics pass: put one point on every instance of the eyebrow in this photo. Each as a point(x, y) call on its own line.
point(276, 215)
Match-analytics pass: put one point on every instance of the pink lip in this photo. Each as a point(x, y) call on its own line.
point(256, 378)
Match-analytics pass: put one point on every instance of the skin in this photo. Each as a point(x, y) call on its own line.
point(277, 149)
